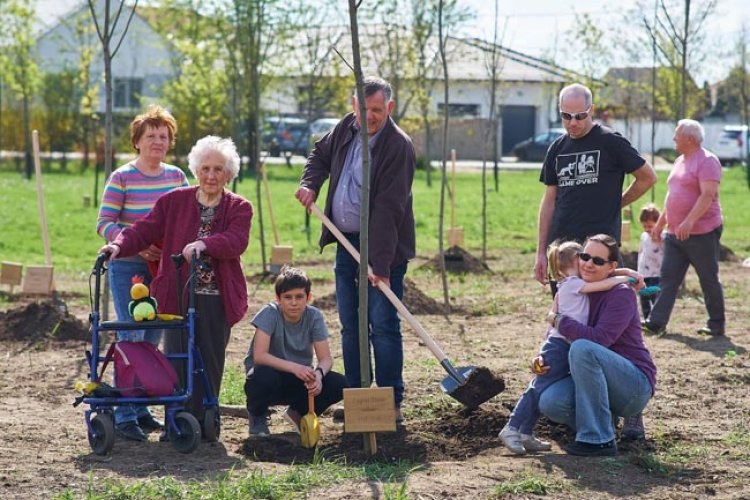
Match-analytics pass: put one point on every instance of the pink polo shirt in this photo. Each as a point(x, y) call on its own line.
point(684, 189)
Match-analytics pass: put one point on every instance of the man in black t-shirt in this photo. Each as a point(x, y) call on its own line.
point(584, 172)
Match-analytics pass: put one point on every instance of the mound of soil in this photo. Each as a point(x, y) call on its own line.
point(414, 300)
point(449, 435)
point(41, 320)
point(458, 261)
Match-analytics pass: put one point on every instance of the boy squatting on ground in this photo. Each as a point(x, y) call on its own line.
point(650, 256)
point(551, 364)
point(279, 362)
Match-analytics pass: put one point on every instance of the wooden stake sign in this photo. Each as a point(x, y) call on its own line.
point(38, 280)
point(369, 410)
point(10, 274)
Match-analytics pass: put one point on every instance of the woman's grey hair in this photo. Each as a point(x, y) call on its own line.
point(691, 128)
point(578, 90)
point(210, 143)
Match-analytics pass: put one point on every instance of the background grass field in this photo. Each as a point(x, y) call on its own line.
point(511, 224)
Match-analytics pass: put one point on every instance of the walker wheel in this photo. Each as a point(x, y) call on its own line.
point(188, 434)
point(102, 433)
point(211, 424)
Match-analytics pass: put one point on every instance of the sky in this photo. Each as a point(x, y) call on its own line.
point(536, 27)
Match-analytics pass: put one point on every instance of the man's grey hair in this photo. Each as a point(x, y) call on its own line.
point(212, 143)
point(691, 128)
point(373, 85)
point(579, 90)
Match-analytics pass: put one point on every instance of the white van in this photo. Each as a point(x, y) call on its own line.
point(732, 145)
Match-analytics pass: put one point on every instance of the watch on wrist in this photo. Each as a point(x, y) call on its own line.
point(319, 369)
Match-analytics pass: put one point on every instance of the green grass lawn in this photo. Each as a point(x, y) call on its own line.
point(511, 224)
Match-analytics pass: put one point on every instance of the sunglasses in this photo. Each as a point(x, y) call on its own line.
point(578, 116)
point(597, 260)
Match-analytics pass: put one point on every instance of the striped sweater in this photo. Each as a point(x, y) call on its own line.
point(129, 196)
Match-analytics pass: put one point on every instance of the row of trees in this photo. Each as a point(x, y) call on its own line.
point(227, 53)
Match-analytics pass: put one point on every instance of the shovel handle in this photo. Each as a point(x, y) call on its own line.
point(310, 403)
point(403, 311)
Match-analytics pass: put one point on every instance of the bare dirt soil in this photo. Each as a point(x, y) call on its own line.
point(697, 446)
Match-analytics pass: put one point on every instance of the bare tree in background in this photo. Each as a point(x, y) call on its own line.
point(107, 24)
point(494, 68)
point(680, 39)
point(442, 39)
point(18, 64)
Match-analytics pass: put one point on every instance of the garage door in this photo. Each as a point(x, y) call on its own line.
point(518, 125)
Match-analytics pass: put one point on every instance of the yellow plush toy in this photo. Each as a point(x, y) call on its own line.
point(143, 306)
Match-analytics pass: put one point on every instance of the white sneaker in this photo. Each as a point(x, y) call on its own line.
point(533, 444)
point(511, 438)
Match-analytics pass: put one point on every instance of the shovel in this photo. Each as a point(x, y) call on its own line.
point(469, 385)
point(309, 427)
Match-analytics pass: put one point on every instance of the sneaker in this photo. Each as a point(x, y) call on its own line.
point(632, 428)
point(259, 425)
point(533, 444)
point(581, 449)
point(713, 333)
point(149, 424)
point(293, 418)
point(511, 438)
point(130, 430)
point(650, 328)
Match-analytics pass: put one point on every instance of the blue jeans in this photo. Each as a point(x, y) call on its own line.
point(702, 252)
point(525, 415)
point(121, 273)
point(602, 384)
point(383, 320)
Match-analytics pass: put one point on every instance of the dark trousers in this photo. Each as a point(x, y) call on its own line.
point(702, 252)
point(648, 301)
point(211, 338)
point(267, 386)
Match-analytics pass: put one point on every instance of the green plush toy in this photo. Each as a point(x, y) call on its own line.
point(143, 306)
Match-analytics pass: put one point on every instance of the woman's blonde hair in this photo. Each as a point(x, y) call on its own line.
point(560, 256)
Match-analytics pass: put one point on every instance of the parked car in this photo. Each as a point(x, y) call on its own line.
point(733, 144)
point(535, 148)
point(319, 128)
point(285, 134)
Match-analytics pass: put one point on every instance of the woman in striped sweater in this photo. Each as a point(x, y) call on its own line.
point(129, 195)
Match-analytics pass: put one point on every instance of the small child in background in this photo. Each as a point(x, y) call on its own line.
point(279, 362)
point(563, 259)
point(650, 256)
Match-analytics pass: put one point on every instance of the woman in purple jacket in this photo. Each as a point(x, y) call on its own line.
point(214, 224)
point(611, 370)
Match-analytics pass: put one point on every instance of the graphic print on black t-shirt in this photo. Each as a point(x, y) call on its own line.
point(578, 168)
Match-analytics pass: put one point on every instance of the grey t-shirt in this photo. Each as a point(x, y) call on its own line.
point(289, 341)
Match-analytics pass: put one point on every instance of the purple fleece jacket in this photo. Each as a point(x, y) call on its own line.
point(614, 323)
point(174, 220)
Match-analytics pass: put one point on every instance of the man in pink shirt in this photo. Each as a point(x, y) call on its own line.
point(693, 218)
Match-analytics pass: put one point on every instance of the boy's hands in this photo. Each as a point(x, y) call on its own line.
point(315, 387)
point(304, 373)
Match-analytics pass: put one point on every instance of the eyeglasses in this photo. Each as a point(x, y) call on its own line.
point(578, 116)
point(598, 261)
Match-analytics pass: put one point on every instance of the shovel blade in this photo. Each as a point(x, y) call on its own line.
point(479, 385)
point(309, 431)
